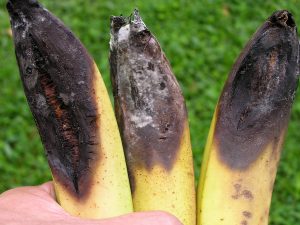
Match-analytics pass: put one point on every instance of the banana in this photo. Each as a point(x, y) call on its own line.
point(247, 131)
point(73, 114)
point(153, 121)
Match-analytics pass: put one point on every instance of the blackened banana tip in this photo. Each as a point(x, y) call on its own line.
point(14, 6)
point(117, 22)
point(9, 7)
point(136, 16)
point(283, 18)
point(257, 99)
point(23, 2)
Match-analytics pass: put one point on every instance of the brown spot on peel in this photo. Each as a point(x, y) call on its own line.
point(255, 104)
point(244, 222)
point(247, 194)
point(149, 105)
point(247, 214)
point(240, 192)
point(57, 75)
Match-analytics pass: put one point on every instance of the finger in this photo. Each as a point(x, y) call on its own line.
point(149, 218)
point(143, 218)
point(44, 189)
point(48, 188)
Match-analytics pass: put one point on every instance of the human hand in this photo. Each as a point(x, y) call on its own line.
point(37, 206)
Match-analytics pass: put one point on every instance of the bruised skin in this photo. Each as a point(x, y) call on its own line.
point(57, 75)
point(254, 107)
point(149, 105)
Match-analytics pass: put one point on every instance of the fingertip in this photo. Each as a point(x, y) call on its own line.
point(137, 218)
point(167, 218)
point(49, 188)
point(150, 218)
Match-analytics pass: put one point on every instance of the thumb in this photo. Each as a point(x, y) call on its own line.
point(48, 188)
point(143, 218)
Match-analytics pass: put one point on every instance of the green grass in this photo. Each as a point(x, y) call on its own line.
point(201, 39)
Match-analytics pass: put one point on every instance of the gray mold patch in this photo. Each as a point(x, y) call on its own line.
point(139, 82)
point(149, 105)
point(41, 104)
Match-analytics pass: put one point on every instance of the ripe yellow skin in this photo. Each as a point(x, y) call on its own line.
point(110, 191)
point(236, 197)
point(172, 191)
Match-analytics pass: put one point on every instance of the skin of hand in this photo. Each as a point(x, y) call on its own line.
point(37, 206)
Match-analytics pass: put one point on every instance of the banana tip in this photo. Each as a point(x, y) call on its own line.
point(284, 18)
point(136, 16)
point(117, 22)
point(13, 6)
point(134, 19)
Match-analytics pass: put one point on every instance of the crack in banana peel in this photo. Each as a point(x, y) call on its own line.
point(57, 75)
point(149, 105)
point(69, 135)
point(255, 104)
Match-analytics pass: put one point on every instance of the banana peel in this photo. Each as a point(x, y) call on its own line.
point(247, 131)
point(73, 114)
point(153, 121)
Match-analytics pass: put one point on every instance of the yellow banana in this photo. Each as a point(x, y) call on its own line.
point(153, 122)
point(248, 127)
point(73, 114)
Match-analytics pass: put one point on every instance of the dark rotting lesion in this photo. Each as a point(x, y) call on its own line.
point(149, 105)
point(66, 114)
point(259, 93)
point(67, 124)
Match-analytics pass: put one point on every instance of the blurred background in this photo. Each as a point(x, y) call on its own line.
point(201, 39)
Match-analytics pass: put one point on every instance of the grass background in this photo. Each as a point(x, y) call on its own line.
point(201, 39)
